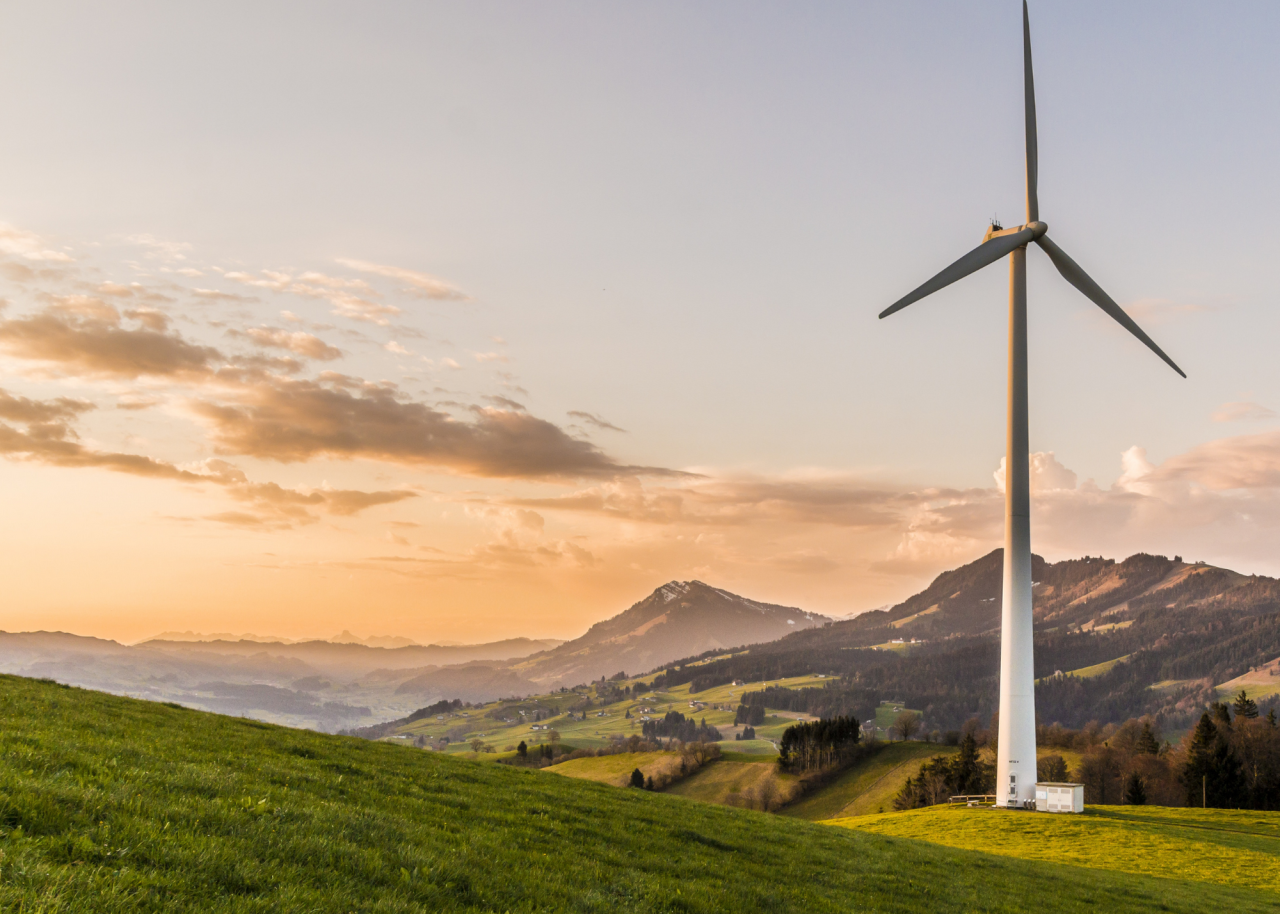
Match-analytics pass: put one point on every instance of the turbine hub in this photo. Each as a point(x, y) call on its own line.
point(1039, 228)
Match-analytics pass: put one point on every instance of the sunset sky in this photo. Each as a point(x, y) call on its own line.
point(466, 321)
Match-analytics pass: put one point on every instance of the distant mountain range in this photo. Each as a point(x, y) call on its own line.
point(346, 681)
point(317, 684)
point(1149, 635)
point(345, 637)
point(676, 620)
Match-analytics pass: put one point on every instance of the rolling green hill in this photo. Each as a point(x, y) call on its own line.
point(612, 769)
point(868, 786)
point(110, 804)
point(1230, 847)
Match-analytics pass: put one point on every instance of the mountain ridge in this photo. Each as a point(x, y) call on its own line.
point(659, 628)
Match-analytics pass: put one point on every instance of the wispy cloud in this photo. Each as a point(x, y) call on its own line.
point(29, 246)
point(418, 284)
point(1242, 411)
point(596, 421)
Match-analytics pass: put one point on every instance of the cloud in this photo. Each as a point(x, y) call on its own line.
point(303, 344)
point(292, 420)
point(41, 412)
point(520, 539)
point(350, 298)
point(158, 249)
point(1244, 411)
point(804, 561)
point(506, 403)
point(1047, 474)
point(419, 284)
point(55, 444)
point(1160, 310)
point(50, 439)
point(216, 295)
point(84, 335)
point(137, 402)
point(594, 420)
point(28, 246)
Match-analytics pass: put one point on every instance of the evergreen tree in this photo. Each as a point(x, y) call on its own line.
point(967, 770)
point(637, 778)
point(522, 750)
point(1135, 792)
point(1244, 706)
point(1271, 717)
point(1221, 712)
point(1211, 774)
point(648, 783)
point(1146, 743)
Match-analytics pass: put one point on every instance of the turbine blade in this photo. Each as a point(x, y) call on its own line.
point(1033, 147)
point(1071, 271)
point(983, 255)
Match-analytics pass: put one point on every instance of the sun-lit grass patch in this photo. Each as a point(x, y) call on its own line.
point(1226, 847)
point(614, 769)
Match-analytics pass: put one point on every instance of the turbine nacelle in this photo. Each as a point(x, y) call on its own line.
point(995, 231)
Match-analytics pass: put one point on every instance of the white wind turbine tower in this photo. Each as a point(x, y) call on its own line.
point(1016, 751)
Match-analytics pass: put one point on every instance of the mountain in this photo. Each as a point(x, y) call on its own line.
point(676, 620)
point(375, 640)
point(315, 684)
point(1148, 635)
point(352, 660)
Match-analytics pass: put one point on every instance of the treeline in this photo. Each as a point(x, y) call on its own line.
point(1231, 760)
point(833, 699)
point(676, 726)
point(378, 731)
point(664, 771)
point(819, 744)
point(943, 777)
point(445, 706)
point(688, 757)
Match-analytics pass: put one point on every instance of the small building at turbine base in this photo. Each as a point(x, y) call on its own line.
point(1053, 796)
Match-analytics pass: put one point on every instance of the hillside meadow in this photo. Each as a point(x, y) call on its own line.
point(1223, 846)
point(110, 804)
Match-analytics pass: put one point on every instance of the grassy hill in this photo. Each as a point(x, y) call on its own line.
point(115, 805)
point(868, 786)
point(613, 769)
point(1229, 847)
point(731, 780)
point(500, 723)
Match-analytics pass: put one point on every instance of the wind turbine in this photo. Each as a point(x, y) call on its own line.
point(1016, 749)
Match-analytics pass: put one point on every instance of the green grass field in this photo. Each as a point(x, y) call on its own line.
point(760, 747)
point(611, 769)
point(1227, 847)
point(716, 706)
point(1088, 672)
point(111, 804)
point(869, 786)
point(726, 781)
point(887, 712)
